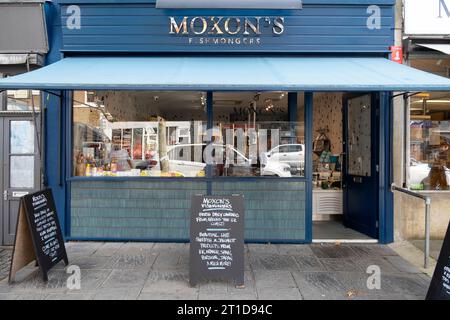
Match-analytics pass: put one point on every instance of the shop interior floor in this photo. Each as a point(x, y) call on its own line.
point(335, 230)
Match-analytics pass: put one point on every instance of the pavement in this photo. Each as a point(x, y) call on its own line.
point(161, 271)
point(435, 247)
point(5, 260)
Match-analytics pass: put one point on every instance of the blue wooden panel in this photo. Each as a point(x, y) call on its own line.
point(140, 27)
point(159, 210)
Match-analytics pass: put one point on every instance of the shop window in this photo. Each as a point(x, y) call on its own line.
point(165, 134)
point(429, 141)
point(22, 100)
point(140, 134)
point(258, 134)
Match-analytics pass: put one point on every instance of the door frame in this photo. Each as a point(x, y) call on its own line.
point(5, 117)
point(384, 158)
point(374, 149)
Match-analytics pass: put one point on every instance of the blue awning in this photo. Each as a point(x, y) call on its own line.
point(228, 74)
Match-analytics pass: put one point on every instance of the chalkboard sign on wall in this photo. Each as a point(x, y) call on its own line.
point(217, 239)
point(440, 283)
point(38, 234)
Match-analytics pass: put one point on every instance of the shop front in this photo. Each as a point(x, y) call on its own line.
point(23, 47)
point(150, 103)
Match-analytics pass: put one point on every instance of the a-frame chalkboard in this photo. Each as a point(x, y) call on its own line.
point(38, 235)
point(217, 239)
point(440, 283)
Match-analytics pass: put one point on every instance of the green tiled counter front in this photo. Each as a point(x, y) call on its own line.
point(275, 210)
point(159, 210)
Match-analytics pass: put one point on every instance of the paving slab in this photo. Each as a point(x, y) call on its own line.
point(405, 284)
point(318, 285)
point(281, 294)
point(161, 271)
point(93, 279)
point(70, 296)
point(131, 293)
point(340, 264)
point(134, 260)
point(57, 282)
point(5, 262)
point(228, 296)
point(126, 278)
point(169, 260)
point(8, 296)
point(380, 261)
point(262, 249)
point(308, 263)
point(371, 250)
point(332, 251)
point(94, 262)
point(267, 261)
point(402, 265)
point(274, 279)
point(108, 249)
point(161, 294)
point(295, 249)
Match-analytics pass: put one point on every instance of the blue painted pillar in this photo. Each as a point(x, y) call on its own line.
point(209, 126)
point(55, 121)
point(292, 111)
point(386, 205)
point(309, 97)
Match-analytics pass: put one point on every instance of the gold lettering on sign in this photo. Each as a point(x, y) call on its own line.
point(238, 26)
point(175, 28)
point(216, 25)
point(252, 26)
point(204, 25)
point(226, 28)
point(278, 25)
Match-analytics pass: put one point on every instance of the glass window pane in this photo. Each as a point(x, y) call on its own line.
point(255, 135)
point(131, 133)
point(20, 100)
point(22, 137)
point(429, 141)
point(359, 136)
point(21, 171)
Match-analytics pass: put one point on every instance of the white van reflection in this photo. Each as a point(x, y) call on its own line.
point(186, 159)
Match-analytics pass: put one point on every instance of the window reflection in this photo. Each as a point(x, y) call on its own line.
point(259, 134)
point(165, 134)
point(21, 100)
point(429, 142)
point(125, 133)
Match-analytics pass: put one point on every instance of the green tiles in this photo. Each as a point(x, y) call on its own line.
point(159, 210)
point(147, 209)
point(274, 209)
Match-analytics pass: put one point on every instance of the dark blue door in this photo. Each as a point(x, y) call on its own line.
point(360, 168)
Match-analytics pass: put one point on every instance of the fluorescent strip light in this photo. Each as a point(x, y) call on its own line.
point(431, 101)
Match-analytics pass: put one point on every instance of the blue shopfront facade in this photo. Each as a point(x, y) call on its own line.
point(325, 46)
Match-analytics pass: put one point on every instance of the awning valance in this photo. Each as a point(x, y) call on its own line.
point(228, 74)
point(444, 48)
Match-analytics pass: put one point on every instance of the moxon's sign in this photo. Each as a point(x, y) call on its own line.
point(225, 26)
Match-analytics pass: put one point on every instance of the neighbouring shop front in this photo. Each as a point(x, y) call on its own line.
point(427, 153)
point(288, 104)
point(23, 46)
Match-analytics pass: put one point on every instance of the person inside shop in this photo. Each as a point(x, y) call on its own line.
point(120, 159)
point(437, 177)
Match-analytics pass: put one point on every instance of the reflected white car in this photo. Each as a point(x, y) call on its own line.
point(236, 163)
point(418, 171)
point(291, 154)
